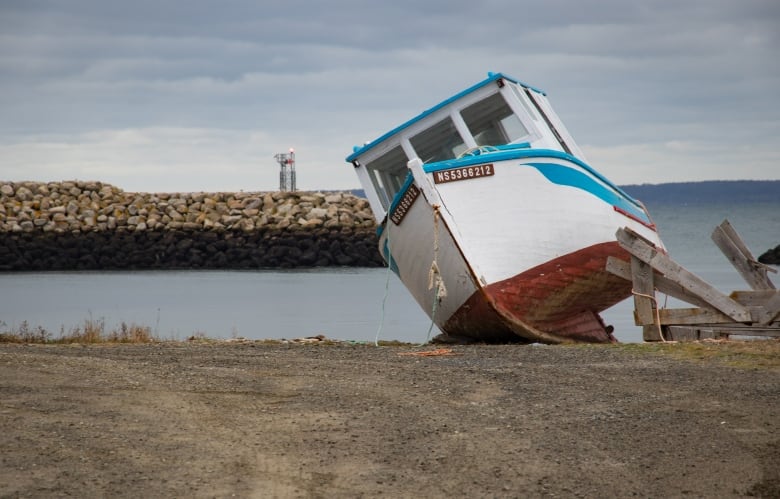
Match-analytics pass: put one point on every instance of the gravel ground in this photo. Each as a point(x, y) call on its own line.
point(286, 420)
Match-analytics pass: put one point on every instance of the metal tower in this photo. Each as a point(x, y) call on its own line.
point(286, 170)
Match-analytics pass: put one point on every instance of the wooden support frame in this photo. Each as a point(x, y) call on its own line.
point(660, 261)
point(731, 245)
point(770, 311)
point(651, 269)
point(662, 284)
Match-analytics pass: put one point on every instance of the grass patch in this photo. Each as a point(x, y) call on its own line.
point(92, 331)
point(745, 354)
point(24, 334)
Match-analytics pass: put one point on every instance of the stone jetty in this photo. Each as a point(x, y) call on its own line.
point(83, 225)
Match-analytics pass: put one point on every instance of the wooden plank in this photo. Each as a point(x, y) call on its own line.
point(621, 268)
point(673, 271)
point(729, 230)
point(754, 298)
point(770, 310)
point(734, 236)
point(688, 333)
point(730, 244)
point(643, 291)
point(764, 304)
point(770, 333)
point(652, 333)
point(745, 328)
point(680, 316)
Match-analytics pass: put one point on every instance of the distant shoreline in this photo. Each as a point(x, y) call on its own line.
point(701, 192)
point(709, 191)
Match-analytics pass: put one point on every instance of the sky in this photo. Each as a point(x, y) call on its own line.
point(197, 95)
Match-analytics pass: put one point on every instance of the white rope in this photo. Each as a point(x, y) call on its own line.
point(435, 280)
point(434, 275)
point(657, 313)
point(433, 317)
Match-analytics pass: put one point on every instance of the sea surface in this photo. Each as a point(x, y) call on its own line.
point(356, 304)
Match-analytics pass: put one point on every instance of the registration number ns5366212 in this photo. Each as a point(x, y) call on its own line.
point(464, 173)
point(405, 204)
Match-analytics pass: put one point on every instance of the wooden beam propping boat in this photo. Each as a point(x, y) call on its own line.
point(755, 312)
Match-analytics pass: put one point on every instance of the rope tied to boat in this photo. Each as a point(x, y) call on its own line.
point(434, 274)
point(387, 284)
point(657, 312)
point(435, 280)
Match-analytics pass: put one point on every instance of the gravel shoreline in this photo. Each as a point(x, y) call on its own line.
point(284, 420)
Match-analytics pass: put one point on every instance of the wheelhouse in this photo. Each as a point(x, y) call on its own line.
point(499, 112)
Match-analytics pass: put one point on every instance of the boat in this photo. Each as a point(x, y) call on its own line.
point(491, 216)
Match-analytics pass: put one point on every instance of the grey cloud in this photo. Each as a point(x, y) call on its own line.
point(619, 72)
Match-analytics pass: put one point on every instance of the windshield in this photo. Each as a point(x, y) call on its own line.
point(439, 142)
point(492, 122)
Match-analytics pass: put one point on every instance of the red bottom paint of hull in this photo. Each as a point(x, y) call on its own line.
point(554, 302)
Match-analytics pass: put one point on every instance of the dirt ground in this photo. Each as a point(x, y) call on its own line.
point(286, 420)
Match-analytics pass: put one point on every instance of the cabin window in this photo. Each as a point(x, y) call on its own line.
point(439, 142)
point(492, 122)
point(388, 173)
point(523, 99)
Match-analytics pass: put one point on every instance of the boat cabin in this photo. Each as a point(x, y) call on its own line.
point(499, 113)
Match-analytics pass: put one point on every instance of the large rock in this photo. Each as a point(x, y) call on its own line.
point(771, 256)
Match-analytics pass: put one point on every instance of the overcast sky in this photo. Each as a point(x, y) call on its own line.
point(196, 95)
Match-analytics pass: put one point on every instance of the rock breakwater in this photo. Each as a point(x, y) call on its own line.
point(82, 225)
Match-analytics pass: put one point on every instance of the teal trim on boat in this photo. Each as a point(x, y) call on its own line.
point(562, 175)
point(524, 153)
point(492, 77)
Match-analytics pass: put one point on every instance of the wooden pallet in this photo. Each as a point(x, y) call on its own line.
point(714, 315)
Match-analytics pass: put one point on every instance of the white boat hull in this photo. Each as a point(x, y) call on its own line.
point(503, 230)
point(517, 254)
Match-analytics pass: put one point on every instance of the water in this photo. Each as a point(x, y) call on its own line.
point(339, 303)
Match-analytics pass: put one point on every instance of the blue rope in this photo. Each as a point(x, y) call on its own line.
point(387, 286)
